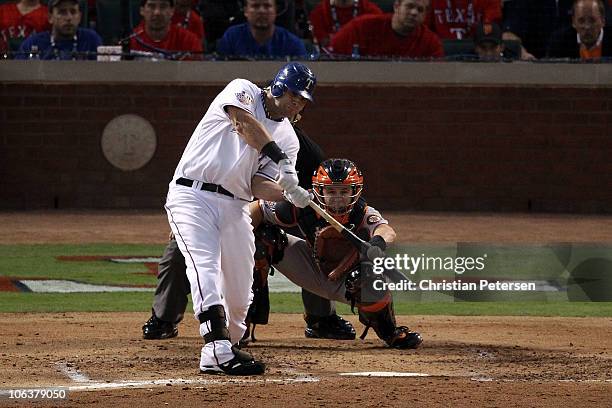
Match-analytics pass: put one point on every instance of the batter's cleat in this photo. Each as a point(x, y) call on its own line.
point(328, 327)
point(242, 364)
point(403, 338)
point(157, 329)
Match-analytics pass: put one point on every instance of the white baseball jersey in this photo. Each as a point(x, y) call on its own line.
point(217, 154)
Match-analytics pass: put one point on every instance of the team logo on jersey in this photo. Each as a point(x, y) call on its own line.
point(373, 219)
point(244, 98)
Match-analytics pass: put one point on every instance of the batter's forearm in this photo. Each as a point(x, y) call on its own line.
point(265, 189)
point(249, 128)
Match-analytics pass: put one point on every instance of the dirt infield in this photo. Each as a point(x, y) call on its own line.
point(151, 227)
point(471, 361)
point(464, 361)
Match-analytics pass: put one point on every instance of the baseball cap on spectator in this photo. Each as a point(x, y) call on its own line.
point(55, 3)
point(489, 32)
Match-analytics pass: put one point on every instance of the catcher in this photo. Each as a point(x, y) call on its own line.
point(325, 263)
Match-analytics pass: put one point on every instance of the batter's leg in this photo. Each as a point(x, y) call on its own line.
point(194, 217)
point(237, 262)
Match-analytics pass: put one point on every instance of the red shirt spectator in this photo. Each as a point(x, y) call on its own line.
point(186, 17)
point(157, 34)
point(374, 36)
point(191, 21)
point(457, 19)
point(326, 19)
point(177, 39)
point(19, 20)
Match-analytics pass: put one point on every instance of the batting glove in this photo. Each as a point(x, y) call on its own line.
point(298, 197)
point(287, 179)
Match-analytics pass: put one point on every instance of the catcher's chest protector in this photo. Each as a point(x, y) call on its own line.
point(334, 255)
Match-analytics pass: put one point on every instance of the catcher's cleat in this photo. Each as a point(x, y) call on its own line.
point(242, 364)
point(328, 327)
point(157, 329)
point(403, 338)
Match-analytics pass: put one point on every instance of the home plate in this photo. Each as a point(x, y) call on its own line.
point(384, 374)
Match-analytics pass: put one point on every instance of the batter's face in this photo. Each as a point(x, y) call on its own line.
point(157, 14)
point(408, 14)
point(588, 21)
point(260, 14)
point(290, 104)
point(65, 19)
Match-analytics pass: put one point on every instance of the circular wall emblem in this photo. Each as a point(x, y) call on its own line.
point(128, 142)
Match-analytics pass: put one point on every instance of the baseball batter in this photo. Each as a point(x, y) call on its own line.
point(243, 135)
point(170, 300)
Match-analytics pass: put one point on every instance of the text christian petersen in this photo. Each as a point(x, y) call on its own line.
point(458, 265)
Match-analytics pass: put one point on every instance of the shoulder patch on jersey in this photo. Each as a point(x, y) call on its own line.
point(373, 219)
point(244, 98)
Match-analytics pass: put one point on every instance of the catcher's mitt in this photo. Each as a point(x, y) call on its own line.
point(334, 254)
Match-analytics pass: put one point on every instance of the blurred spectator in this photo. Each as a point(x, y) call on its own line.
point(533, 22)
point(19, 20)
point(401, 33)
point(65, 40)
point(186, 17)
point(488, 42)
point(155, 34)
point(329, 15)
point(259, 36)
point(218, 15)
point(457, 19)
point(286, 14)
point(587, 38)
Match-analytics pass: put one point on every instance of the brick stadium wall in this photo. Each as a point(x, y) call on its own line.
point(496, 148)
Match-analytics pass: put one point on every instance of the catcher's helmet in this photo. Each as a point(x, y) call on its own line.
point(296, 77)
point(337, 185)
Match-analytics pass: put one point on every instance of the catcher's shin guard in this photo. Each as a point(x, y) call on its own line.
point(376, 311)
point(383, 323)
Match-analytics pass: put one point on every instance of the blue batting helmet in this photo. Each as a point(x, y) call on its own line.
point(296, 77)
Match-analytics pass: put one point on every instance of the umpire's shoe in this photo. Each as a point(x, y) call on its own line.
point(157, 329)
point(328, 327)
point(242, 364)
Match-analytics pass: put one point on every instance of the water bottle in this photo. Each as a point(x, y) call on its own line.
point(355, 53)
point(34, 53)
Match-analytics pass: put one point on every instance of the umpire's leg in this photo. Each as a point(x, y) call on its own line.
point(172, 285)
point(171, 294)
point(315, 305)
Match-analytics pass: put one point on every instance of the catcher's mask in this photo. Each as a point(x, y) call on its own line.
point(337, 185)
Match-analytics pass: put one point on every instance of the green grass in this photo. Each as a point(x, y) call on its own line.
point(292, 303)
point(39, 261)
